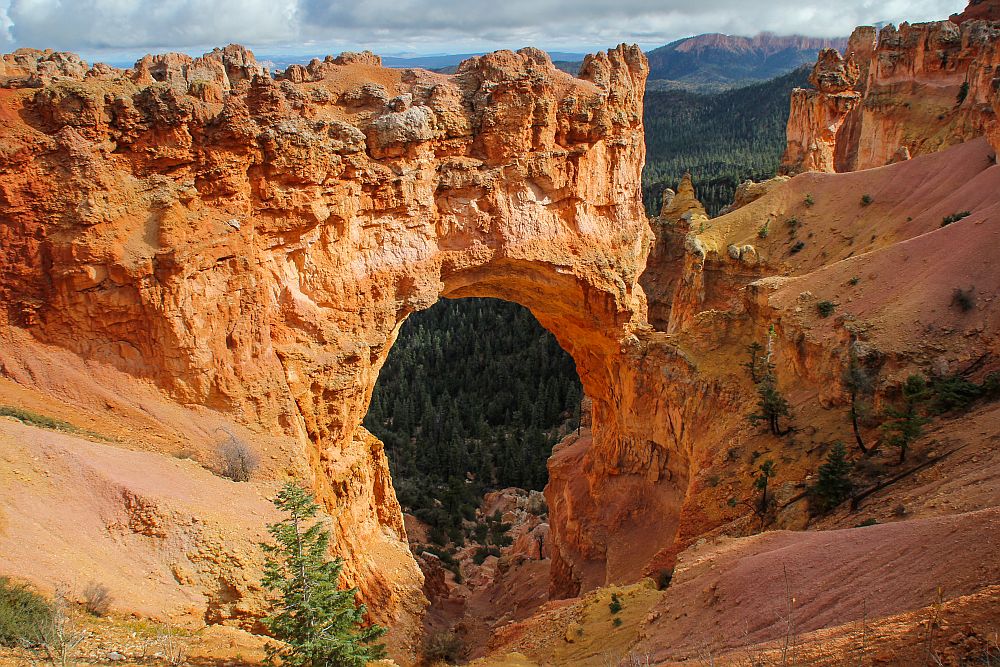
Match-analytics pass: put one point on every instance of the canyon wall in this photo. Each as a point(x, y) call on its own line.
point(252, 244)
point(896, 94)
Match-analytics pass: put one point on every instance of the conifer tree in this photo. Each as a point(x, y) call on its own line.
point(766, 473)
point(320, 625)
point(833, 485)
point(772, 406)
point(904, 425)
point(759, 367)
point(858, 383)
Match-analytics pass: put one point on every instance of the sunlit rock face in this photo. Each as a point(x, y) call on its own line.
point(253, 243)
point(910, 90)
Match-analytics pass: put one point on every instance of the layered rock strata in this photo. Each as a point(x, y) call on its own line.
point(917, 88)
point(253, 244)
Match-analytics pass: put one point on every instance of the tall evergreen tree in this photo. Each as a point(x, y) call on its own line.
point(833, 484)
point(320, 625)
point(859, 383)
point(766, 472)
point(772, 406)
point(905, 424)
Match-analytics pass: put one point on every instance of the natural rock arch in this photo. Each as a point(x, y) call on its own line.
point(253, 245)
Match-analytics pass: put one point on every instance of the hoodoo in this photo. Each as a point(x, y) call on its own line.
point(916, 89)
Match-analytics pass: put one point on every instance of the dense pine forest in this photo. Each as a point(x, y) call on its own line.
point(471, 398)
point(475, 393)
point(722, 139)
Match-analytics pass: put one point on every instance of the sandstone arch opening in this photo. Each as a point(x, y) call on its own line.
point(470, 401)
point(259, 250)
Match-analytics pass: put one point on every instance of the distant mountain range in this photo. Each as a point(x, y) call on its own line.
point(725, 61)
point(704, 63)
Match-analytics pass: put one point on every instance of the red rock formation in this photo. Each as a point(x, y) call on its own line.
point(920, 87)
point(978, 10)
point(253, 245)
point(205, 78)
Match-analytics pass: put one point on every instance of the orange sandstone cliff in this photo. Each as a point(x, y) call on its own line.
point(251, 244)
point(897, 93)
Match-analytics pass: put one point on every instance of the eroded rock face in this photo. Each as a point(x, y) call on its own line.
point(919, 88)
point(253, 245)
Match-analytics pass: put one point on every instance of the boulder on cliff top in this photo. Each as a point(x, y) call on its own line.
point(833, 74)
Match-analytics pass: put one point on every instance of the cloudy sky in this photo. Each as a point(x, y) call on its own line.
point(126, 28)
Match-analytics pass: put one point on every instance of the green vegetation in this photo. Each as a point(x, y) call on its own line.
point(765, 473)
point(472, 397)
point(448, 561)
point(833, 485)
point(825, 308)
point(319, 624)
point(616, 603)
point(723, 139)
point(809, 201)
point(866, 200)
point(757, 365)
point(957, 394)
point(772, 406)
point(853, 281)
point(860, 384)
point(444, 646)
point(795, 249)
point(35, 419)
point(904, 424)
point(964, 299)
point(954, 217)
point(23, 615)
point(963, 92)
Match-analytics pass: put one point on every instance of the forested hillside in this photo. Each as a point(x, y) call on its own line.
point(470, 399)
point(722, 139)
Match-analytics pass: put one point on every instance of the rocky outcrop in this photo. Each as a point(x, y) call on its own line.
point(253, 245)
point(680, 213)
point(918, 88)
point(207, 77)
point(748, 192)
point(34, 68)
point(978, 10)
point(817, 115)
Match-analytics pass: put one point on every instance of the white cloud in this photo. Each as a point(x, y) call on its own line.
point(6, 38)
point(125, 24)
point(394, 26)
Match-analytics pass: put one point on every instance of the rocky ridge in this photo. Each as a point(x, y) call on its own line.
point(909, 90)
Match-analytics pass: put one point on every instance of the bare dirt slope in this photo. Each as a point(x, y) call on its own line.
point(730, 594)
point(170, 540)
